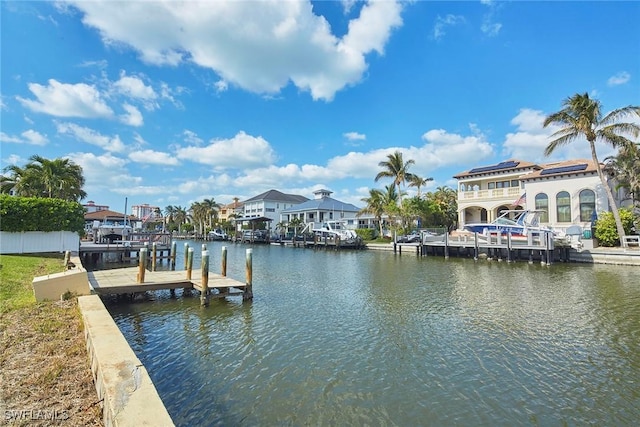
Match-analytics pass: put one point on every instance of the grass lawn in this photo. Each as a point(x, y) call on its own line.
point(16, 274)
point(44, 366)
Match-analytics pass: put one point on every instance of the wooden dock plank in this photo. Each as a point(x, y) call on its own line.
point(124, 280)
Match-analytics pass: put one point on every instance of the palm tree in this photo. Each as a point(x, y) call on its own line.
point(374, 206)
point(396, 168)
point(211, 210)
point(180, 216)
point(59, 178)
point(582, 117)
point(419, 182)
point(625, 166)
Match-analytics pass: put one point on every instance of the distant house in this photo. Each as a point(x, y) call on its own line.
point(91, 206)
point(268, 206)
point(322, 208)
point(106, 216)
point(232, 210)
point(568, 192)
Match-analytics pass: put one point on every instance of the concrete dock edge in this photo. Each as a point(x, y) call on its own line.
point(128, 395)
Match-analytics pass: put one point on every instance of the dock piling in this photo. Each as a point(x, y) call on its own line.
point(224, 261)
point(475, 246)
point(204, 295)
point(154, 256)
point(173, 255)
point(189, 262)
point(248, 291)
point(142, 267)
point(186, 254)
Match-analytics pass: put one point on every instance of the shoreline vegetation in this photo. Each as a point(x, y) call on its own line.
point(44, 366)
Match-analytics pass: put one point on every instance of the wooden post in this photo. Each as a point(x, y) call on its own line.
point(509, 247)
point(204, 295)
point(154, 256)
point(189, 262)
point(204, 247)
point(248, 290)
point(186, 255)
point(67, 259)
point(224, 261)
point(446, 245)
point(142, 264)
point(173, 255)
point(475, 246)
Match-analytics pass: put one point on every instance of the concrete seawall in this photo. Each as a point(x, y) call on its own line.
point(128, 395)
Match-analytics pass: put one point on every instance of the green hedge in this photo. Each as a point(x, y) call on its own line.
point(366, 233)
point(606, 231)
point(40, 214)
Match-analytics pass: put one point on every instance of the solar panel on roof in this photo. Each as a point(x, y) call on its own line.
point(564, 169)
point(499, 166)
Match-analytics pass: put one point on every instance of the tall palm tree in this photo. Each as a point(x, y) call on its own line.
point(419, 182)
point(395, 168)
point(211, 210)
point(59, 178)
point(180, 216)
point(582, 117)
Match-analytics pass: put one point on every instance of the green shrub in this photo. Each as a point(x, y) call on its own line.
point(606, 231)
point(366, 233)
point(40, 214)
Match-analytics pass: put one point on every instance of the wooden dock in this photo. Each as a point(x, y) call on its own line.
point(125, 281)
point(130, 280)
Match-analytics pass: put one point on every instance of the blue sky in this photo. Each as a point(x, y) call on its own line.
point(169, 103)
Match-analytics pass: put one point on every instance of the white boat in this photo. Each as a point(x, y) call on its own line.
point(334, 230)
point(218, 234)
point(519, 223)
point(111, 231)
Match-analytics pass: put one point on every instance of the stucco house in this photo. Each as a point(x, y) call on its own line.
point(568, 192)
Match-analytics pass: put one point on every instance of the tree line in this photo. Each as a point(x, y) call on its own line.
point(580, 118)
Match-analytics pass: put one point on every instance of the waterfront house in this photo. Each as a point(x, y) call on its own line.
point(322, 208)
point(568, 192)
point(268, 206)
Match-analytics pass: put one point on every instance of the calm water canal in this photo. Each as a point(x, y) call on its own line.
point(373, 338)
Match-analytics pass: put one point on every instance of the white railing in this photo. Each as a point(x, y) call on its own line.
point(497, 193)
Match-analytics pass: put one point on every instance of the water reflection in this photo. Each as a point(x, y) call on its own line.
point(380, 339)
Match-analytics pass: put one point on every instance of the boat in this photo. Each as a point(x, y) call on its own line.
point(335, 231)
point(111, 231)
point(518, 223)
point(218, 234)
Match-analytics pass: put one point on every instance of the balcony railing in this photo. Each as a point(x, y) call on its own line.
point(498, 193)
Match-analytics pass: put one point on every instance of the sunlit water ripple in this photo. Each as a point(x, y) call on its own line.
point(373, 338)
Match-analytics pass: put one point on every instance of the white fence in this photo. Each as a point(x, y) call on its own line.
point(27, 242)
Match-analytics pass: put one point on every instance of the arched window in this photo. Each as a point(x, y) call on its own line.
point(542, 204)
point(587, 204)
point(563, 206)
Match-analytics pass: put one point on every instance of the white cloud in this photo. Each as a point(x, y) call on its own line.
point(191, 137)
point(105, 173)
point(354, 136)
point(258, 46)
point(134, 87)
point(133, 117)
point(619, 79)
point(153, 157)
point(90, 136)
point(531, 138)
point(489, 26)
point(442, 23)
point(67, 100)
point(30, 136)
point(241, 151)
